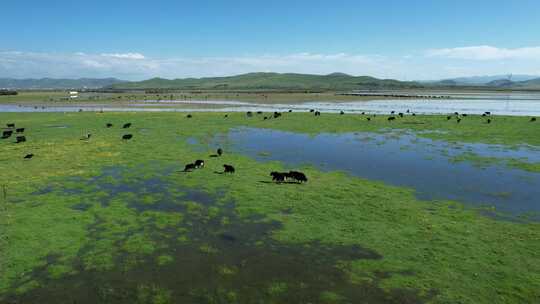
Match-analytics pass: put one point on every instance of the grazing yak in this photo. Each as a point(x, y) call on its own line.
point(199, 163)
point(458, 120)
point(317, 113)
point(20, 139)
point(532, 119)
point(7, 134)
point(127, 125)
point(341, 113)
point(298, 176)
point(488, 121)
point(249, 114)
point(19, 130)
point(448, 117)
point(109, 125)
point(277, 177)
point(189, 116)
point(10, 125)
point(189, 167)
point(368, 119)
point(391, 118)
point(127, 136)
point(228, 169)
point(277, 114)
point(29, 156)
point(219, 151)
point(295, 176)
point(400, 115)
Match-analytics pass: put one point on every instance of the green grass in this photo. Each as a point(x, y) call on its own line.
point(56, 98)
point(428, 246)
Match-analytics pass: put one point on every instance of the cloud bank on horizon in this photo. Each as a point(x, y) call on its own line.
point(429, 64)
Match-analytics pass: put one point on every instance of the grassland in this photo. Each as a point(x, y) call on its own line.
point(438, 251)
point(51, 98)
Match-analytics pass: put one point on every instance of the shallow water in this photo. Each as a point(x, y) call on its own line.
point(404, 160)
point(222, 259)
point(497, 106)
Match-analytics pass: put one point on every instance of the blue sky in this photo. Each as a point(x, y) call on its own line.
point(415, 39)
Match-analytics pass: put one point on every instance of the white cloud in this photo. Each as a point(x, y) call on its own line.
point(442, 63)
point(125, 55)
point(486, 52)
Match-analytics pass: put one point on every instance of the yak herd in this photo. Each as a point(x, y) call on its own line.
point(277, 177)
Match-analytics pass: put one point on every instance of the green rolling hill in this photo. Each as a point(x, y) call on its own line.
point(272, 81)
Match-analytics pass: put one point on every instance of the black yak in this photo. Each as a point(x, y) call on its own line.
point(109, 125)
point(298, 176)
point(488, 121)
point(391, 118)
point(400, 115)
point(19, 130)
point(448, 117)
point(341, 113)
point(228, 169)
point(189, 116)
point(189, 167)
point(277, 177)
point(533, 119)
point(458, 120)
point(199, 163)
point(10, 125)
point(29, 156)
point(21, 139)
point(7, 134)
point(219, 151)
point(127, 136)
point(368, 119)
point(249, 114)
point(127, 125)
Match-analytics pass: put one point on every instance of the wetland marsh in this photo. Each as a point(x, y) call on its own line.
point(382, 219)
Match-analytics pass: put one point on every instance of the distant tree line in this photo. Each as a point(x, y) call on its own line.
point(8, 92)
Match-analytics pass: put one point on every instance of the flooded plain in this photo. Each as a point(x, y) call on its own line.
point(514, 104)
point(403, 159)
point(211, 255)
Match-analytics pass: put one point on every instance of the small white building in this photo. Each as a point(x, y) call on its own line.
point(73, 94)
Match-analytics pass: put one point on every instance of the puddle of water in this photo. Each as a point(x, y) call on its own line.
point(507, 104)
point(424, 164)
point(226, 259)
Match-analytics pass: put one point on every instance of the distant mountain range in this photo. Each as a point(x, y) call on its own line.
point(275, 81)
point(497, 81)
point(483, 80)
point(272, 81)
point(52, 83)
